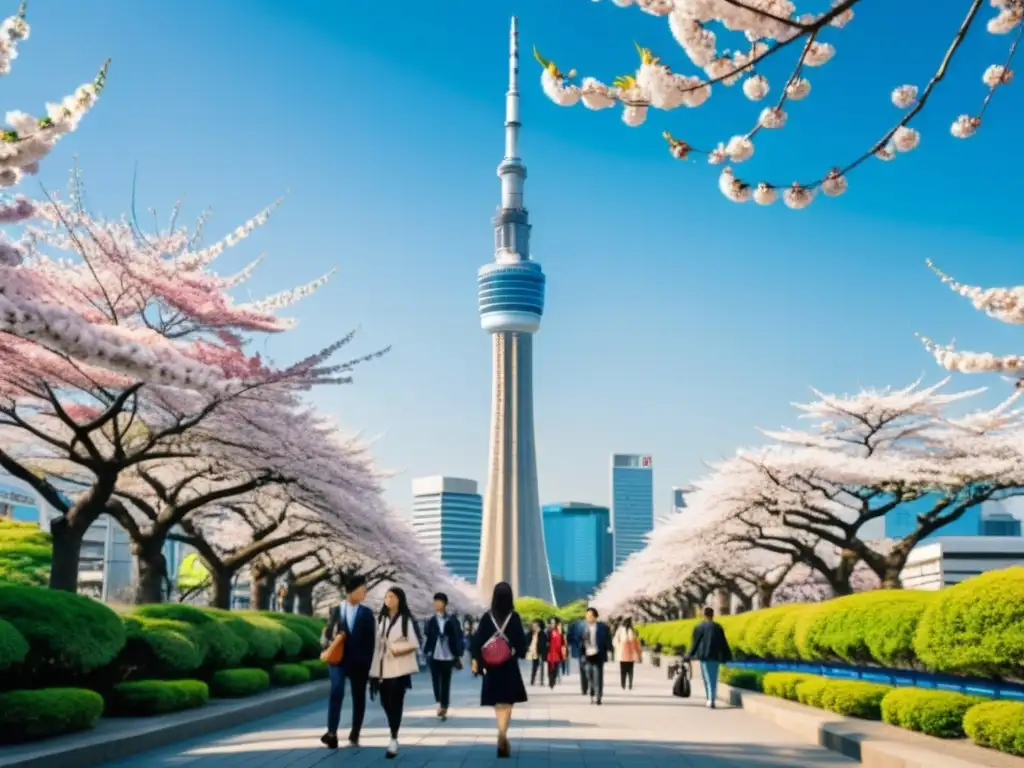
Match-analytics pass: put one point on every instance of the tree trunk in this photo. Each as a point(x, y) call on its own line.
point(220, 593)
point(746, 602)
point(304, 598)
point(261, 589)
point(724, 600)
point(152, 572)
point(288, 600)
point(67, 553)
point(893, 578)
point(765, 593)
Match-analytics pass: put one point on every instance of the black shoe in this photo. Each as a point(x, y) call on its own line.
point(599, 702)
point(353, 739)
point(329, 740)
point(444, 715)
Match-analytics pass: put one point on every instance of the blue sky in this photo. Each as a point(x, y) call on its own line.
point(677, 322)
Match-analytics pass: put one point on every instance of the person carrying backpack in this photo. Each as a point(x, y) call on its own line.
point(497, 646)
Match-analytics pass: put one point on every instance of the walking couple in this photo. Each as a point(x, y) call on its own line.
point(381, 654)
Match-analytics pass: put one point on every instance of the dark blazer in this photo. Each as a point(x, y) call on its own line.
point(709, 643)
point(604, 643)
point(360, 641)
point(452, 631)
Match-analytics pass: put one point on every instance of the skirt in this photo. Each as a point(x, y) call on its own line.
point(502, 685)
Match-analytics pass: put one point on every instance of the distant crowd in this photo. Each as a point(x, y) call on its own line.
point(380, 654)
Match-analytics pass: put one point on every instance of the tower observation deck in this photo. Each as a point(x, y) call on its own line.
point(510, 293)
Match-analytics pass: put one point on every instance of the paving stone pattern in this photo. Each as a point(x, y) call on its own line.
point(642, 728)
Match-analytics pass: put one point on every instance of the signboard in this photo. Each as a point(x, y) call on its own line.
point(645, 462)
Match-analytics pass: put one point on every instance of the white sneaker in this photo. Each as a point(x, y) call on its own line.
point(392, 748)
point(709, 704)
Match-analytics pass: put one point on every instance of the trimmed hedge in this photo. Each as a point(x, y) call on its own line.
point(68, 635)
point(935, 713)
point(289, 674)
point(976, 627)
point(161, 648)
point(222, 648)
point(783, 684)
point(973, 628)
point(31, 715)
point(238, 683)
point(855, 698)
point(317, 669)
point(747, 679)
point(156, 697)
point(307, 628)
point(13, 646)
point(997, 724)
point(26, 553)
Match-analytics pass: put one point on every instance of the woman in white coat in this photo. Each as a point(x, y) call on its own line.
point(394, 660)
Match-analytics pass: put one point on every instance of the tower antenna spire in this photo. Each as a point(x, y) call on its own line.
point(512, 95)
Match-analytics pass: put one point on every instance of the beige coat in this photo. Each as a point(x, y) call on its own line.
point(626, 646)
point(394, 654)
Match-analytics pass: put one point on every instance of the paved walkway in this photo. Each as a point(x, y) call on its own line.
point(644, 727)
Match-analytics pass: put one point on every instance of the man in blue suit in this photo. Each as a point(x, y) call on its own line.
point(357, 623)
point(595, 645)
point(444, 646)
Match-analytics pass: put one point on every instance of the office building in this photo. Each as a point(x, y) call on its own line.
point(446, 515)
point(632, 503)
point(676, 507)
point(948, 560)
point(987, 519)
point(510, 292)
point(1000, 524)
point(579, 545)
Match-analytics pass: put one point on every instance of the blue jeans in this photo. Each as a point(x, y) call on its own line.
point(357, 679)
point(709, 671)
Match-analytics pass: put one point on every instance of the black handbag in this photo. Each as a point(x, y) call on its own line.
point(681, 687)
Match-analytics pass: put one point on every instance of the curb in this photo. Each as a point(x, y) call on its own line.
point(117, 738)
point(889, 747)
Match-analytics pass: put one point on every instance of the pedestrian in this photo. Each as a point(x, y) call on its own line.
point(597, 642)
point(394, 660)
point(711, 648)
point(576, 650)
point(627, 651)
point(537, 651)
point(443, 647)
point(556, 651)
point(563, 630)
point(498, 645)
point(350, 636)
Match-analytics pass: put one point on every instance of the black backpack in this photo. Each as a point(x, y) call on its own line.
point(681, 685)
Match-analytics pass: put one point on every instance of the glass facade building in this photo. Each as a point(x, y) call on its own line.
point(447, 513)
point(578, 539)
point(980, 520)
point(632, 503)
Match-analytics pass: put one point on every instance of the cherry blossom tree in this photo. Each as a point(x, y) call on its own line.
point(29, 139)
point(774, 28)
point(870, 453)
point(1005, 305)
point(110, 357)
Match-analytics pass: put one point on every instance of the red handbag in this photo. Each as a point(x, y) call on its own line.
point(497, 650)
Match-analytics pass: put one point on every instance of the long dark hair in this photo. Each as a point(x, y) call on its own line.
point(403, 611)
point(502, 601)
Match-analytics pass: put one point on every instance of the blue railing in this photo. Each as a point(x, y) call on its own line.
point(974, 686)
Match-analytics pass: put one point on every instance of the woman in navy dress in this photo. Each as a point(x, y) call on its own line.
point(502, 686)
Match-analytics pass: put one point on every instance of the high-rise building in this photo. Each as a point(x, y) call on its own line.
point(1000, 524)
point(632, 503)
point(446, 515)
point(511, 300)
point(677, 506)
point(579, 544)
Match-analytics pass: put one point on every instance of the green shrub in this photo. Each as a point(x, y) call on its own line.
point(784, 643)
point(161, 648)
point(574, 611)
point(26, 553)
point(531, 608)
point(783, 684)
point(289, 674)
point(935, 713)
point(759, 634)
point(13, 647)
point(317, 669)
point(854, 698)
point(155, 697)
point(238, 683)
point(262, 642)
point(31, 715)
point(976, 627)
point(222, 647)
point(307, 628)
point(810, 691)
point(748, 679)
point(997, 724)
point(869, 627)
point(68, 635)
